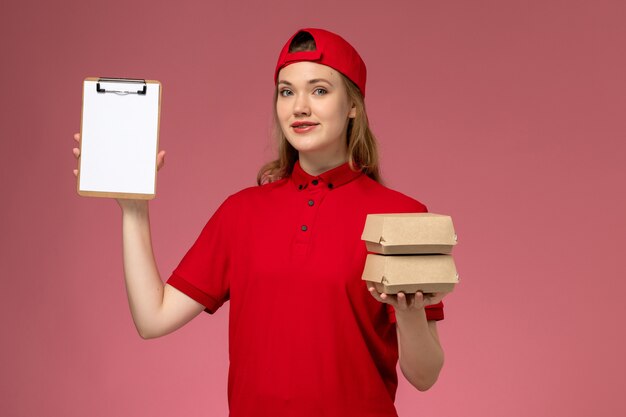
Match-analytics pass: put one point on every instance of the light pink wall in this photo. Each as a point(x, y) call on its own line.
point(508, 115)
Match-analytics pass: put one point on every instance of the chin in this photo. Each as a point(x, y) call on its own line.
point(304, 145)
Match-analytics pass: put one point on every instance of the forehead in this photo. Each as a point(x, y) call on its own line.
point(305, 70)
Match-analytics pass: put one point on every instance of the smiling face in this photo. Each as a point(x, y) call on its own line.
point(313, 110)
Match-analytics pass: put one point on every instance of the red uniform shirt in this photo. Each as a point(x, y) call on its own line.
point(306, 337)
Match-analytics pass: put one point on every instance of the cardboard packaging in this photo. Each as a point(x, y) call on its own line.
point(411, 273)
point(409, 233)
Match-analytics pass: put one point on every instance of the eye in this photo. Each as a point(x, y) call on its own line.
point(320, 91)
point(284, 92)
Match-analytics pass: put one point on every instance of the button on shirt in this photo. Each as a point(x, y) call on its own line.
point(306, 337)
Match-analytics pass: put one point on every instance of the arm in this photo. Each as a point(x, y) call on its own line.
point(157, 309)
point(420, 354)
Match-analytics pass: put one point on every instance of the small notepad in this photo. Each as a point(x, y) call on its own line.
point(119, 138)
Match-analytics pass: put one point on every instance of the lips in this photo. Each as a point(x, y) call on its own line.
point(303, 124)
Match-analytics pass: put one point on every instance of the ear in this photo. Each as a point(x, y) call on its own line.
point(352, 113)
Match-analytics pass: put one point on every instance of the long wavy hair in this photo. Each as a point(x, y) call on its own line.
point(362, 148)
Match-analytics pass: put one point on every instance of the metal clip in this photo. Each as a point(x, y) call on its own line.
point(141, 91)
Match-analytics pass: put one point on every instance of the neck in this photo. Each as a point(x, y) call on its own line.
point(318, 164)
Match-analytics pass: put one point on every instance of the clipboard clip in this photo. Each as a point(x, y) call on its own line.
point(141, 84)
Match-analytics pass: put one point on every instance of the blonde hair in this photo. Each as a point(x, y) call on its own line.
point(362, 148)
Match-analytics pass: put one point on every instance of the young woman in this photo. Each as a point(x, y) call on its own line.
point(307, 336)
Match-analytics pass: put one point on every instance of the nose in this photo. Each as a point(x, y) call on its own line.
point(301, 105)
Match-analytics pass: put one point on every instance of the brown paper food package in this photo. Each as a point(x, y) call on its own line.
point(411, 273)
point(409, 233)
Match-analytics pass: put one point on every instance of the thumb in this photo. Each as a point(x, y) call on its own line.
point(160, 160)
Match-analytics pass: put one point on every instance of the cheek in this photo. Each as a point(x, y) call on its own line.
point(338, 120)
point(282, 117)
point(282, 112)
point(337, 112)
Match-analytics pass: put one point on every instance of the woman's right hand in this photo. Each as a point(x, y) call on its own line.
point(125, 203)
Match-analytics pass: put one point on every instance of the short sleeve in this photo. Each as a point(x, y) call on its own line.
point(204, 272)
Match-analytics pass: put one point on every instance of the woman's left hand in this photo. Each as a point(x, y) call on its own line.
point(406, 302)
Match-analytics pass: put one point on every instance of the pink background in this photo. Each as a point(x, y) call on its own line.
point(508, 115)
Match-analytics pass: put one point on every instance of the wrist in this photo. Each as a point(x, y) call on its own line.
point(134, 208)
point(410, 316)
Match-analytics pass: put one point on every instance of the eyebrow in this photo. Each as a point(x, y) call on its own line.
point(313, 81)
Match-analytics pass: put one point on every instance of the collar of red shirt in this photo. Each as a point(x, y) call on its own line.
point(332, 178)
